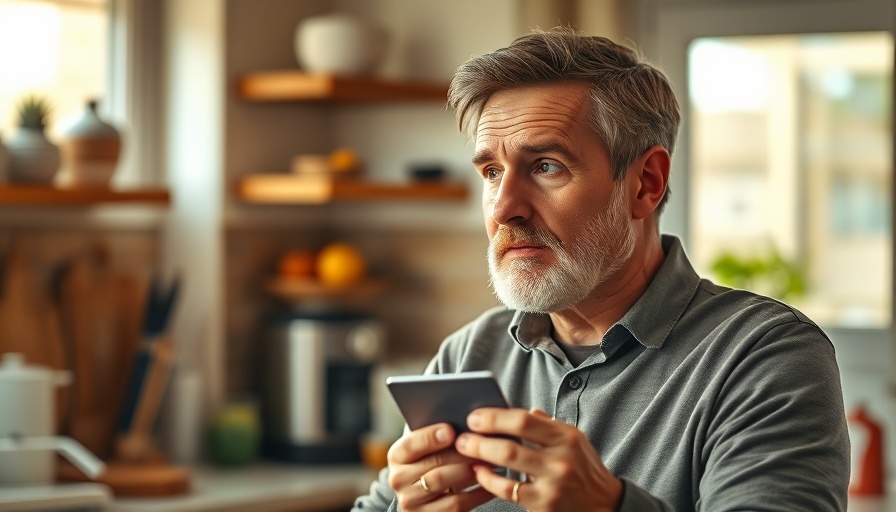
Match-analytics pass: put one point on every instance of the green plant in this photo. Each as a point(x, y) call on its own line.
point(770, 273)
point(34, 112)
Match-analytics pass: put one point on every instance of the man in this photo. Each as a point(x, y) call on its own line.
point(634, 384)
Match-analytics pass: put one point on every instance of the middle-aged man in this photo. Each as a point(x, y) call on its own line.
point(635, 385)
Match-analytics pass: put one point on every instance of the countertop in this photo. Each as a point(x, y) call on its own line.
point(881, 504)
point(270, 487)
point(264, 487)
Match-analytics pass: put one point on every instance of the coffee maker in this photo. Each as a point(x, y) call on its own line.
point(315, 374)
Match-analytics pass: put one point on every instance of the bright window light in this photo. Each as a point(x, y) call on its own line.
point(726, 77)
point(56, 49)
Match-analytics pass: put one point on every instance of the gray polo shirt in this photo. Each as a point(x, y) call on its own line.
point(699, 398)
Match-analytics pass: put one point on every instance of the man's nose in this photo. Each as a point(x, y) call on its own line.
point(510, 202)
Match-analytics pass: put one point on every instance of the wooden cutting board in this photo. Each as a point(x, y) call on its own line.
point(29, 320)
point(102, 314)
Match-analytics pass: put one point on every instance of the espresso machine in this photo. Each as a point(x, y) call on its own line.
point(316, 392)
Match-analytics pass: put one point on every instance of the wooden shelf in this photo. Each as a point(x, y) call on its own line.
point(279, 86)
point(35, 195)
point(295, 189)
point(298, 290)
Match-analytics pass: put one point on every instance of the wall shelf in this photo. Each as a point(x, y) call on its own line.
point(289, 85)
point(294, 189)
point(36, 195)
point(305, 291)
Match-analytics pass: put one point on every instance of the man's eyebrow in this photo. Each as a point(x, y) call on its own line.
point(548, 147)
point(484, 155)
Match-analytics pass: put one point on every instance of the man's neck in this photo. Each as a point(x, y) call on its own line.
point(587, 322)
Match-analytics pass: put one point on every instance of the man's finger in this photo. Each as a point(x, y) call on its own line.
point(497, 485)
point(501, 452)
point(537, 428)
point(420, 443)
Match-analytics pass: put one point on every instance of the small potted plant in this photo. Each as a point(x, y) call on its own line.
point(33, 159)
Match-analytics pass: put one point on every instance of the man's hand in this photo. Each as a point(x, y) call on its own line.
point(427, 473)
point(563, 469)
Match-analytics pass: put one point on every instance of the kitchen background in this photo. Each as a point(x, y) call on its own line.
point(189, 130)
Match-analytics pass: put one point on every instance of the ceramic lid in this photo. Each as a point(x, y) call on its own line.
point(90, 125)
point(13, 368)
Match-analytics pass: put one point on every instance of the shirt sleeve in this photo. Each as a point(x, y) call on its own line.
point(380, 498)
point(777, 438)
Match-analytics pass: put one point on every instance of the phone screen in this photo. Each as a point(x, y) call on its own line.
point(444, 398)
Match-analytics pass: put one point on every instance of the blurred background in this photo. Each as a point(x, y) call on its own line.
point(258, 209)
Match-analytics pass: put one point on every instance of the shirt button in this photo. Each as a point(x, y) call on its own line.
point(575, 382)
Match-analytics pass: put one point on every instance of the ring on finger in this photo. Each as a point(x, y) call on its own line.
point(515, 495)
point(423, 484)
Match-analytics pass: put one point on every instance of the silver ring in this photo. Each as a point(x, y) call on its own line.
point(515, 495)
point(423, 484)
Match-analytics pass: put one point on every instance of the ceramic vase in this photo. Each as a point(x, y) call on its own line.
point(90, 151)
point(33, 159)
point(339, 44)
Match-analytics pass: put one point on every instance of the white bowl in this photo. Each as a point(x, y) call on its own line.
point(339, 44)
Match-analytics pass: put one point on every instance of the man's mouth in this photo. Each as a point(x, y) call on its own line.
point(521, 250)
point(522, 242)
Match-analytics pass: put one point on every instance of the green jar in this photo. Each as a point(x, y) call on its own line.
point(234, 434)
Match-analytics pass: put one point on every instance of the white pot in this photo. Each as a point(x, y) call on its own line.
point(33, 159)
point(27, 399)
point(28, 445)
point(339, 44)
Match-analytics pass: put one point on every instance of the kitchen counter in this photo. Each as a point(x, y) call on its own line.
point(270, 487)
point(264, 487)
point(871, 505)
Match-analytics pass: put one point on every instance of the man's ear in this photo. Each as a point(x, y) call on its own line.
point(650, 174)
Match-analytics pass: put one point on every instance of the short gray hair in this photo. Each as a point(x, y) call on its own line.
point(633, 105)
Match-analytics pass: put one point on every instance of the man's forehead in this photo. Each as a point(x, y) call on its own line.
point(564, 98)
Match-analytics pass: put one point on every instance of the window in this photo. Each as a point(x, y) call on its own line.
point(56, 49)
point(791, 164)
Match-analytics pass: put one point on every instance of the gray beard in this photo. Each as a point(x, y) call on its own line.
point(532, 286)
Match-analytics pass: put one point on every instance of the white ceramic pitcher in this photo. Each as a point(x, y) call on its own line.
point(28, 443)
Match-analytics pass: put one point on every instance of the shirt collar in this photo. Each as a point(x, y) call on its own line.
point(649, 320)
point(657, 311)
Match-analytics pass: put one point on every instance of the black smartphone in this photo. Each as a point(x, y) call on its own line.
point(444, 397)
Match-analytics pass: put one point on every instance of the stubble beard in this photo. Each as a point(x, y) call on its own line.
point(527, 284)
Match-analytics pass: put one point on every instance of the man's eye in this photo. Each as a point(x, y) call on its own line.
point(549, 167)
point(492, 174)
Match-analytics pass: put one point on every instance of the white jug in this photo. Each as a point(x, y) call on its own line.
point(28, 443)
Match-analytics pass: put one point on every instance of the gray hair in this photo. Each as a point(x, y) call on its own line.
point(633, 105)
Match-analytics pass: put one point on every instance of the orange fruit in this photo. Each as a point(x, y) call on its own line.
point(340, 264)
point(297, 263)
point(344, 161)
